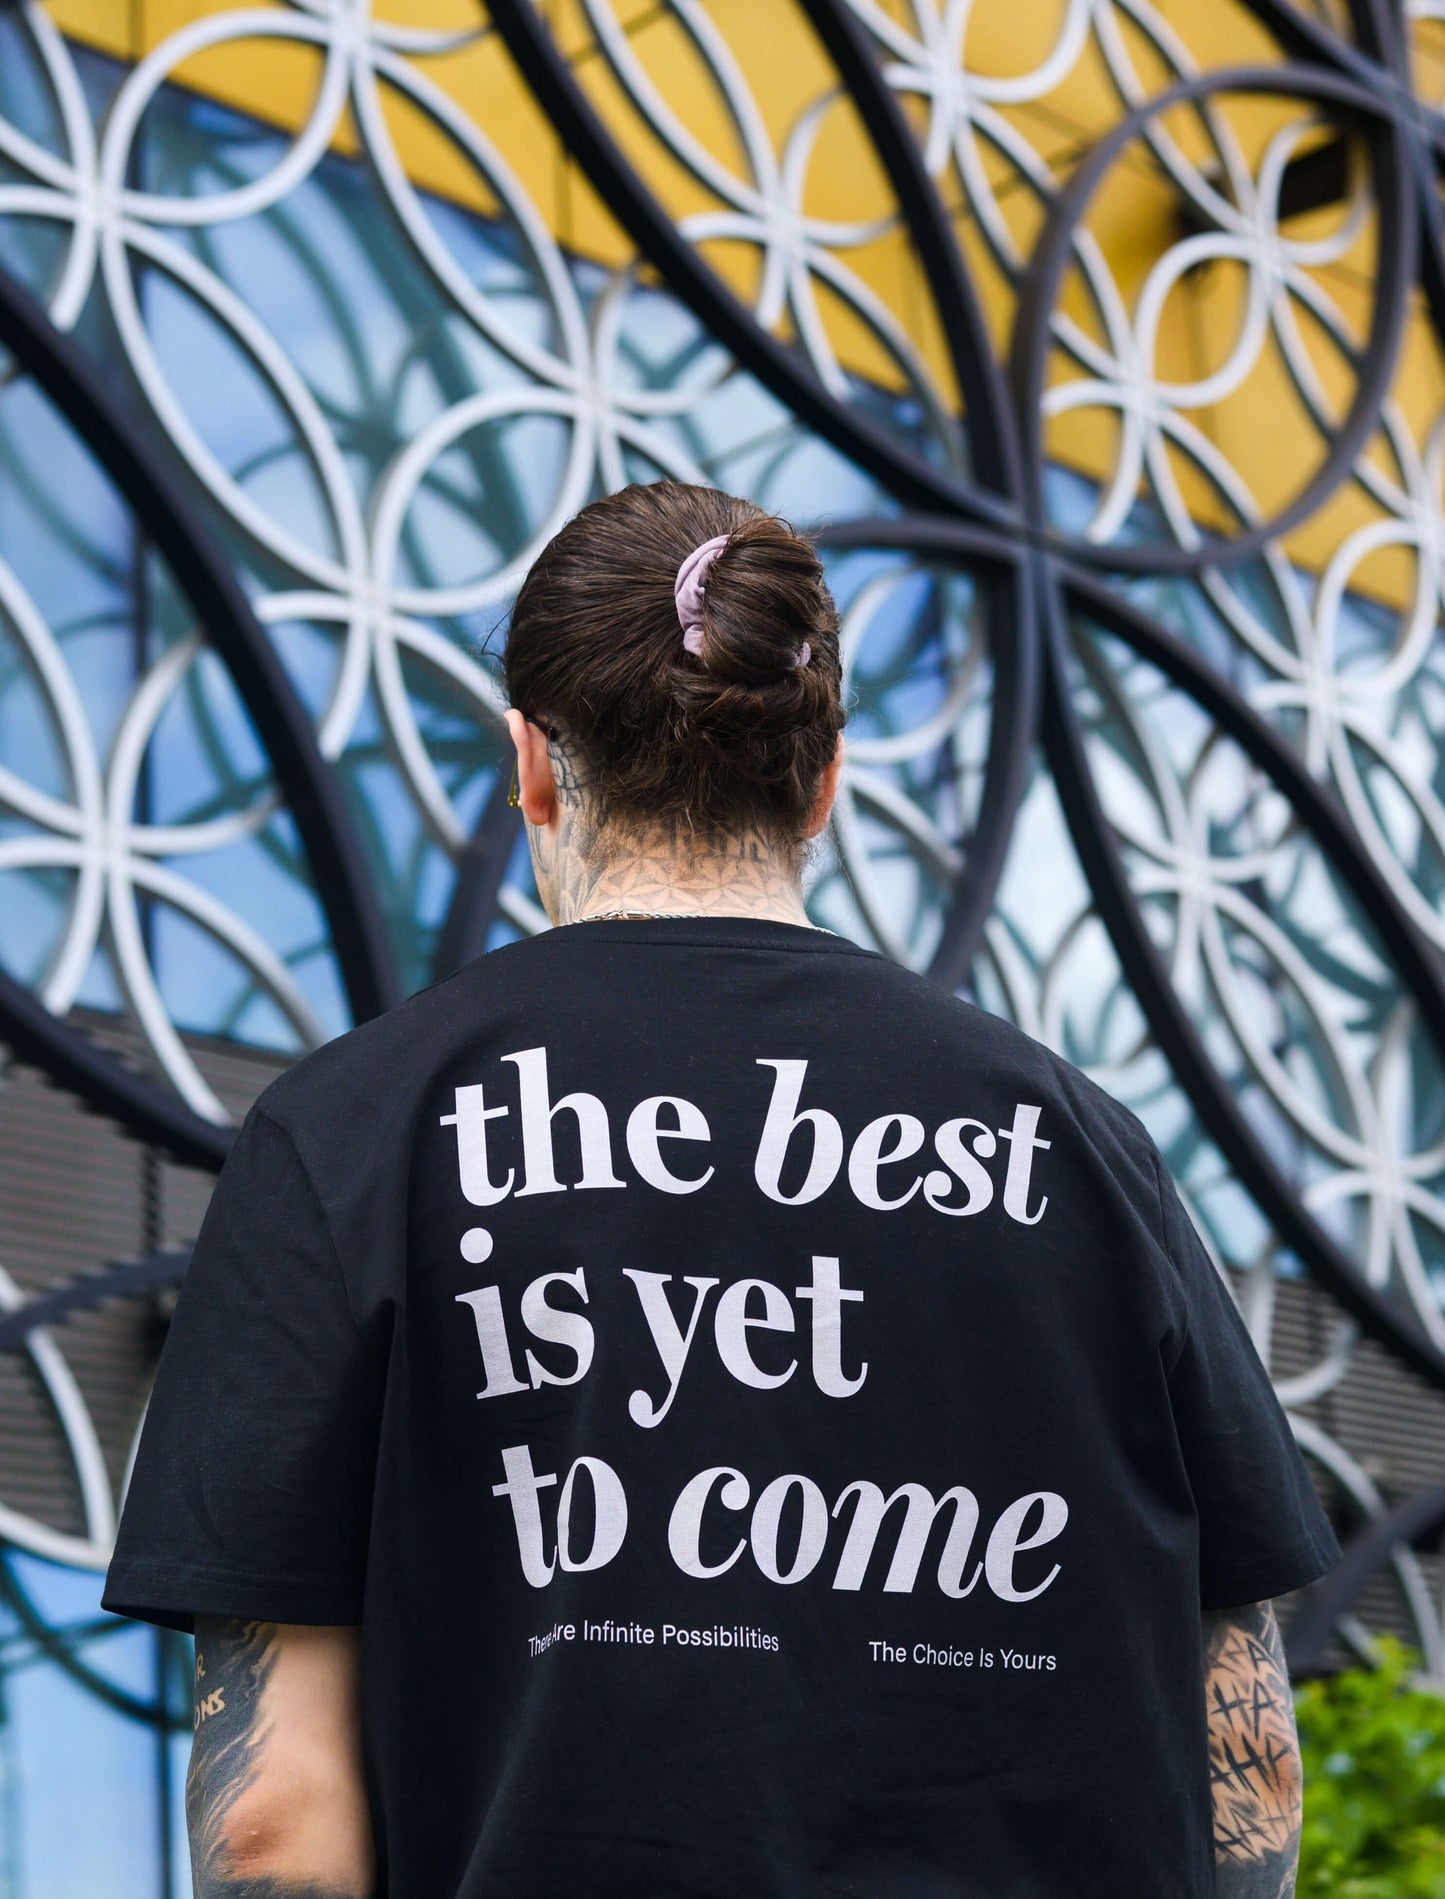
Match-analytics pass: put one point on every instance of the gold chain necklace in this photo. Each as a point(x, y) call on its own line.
point(662, 916)
point(651, 916)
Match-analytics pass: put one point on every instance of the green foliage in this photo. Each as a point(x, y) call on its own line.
point(1374, 1762)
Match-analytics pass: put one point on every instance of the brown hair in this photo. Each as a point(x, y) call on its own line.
point(712, 743)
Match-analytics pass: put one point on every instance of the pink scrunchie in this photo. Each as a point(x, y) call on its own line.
point(687, 591)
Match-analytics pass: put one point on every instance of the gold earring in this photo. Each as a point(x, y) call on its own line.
point(514, 795)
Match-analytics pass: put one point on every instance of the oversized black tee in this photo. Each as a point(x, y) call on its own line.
point(774, 1423)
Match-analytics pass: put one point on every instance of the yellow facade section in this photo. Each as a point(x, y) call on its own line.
point(1262, 428)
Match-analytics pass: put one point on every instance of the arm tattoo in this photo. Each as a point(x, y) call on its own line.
point(1254, 1769)
point(233, 1662)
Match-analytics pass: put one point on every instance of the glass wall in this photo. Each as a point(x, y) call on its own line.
point(95, 1719)
point(1144, 751)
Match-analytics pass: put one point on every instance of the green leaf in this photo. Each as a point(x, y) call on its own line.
point(1374, 1759)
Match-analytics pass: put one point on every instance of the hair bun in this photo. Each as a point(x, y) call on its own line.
point(763, 603)
point(713, 734)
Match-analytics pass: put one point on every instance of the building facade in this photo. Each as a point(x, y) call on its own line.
point(1100, 342)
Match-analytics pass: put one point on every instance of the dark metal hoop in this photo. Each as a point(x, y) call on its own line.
point(160, 503)
point(1031, 337)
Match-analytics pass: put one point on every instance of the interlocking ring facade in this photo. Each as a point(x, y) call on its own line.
point(1107, 367)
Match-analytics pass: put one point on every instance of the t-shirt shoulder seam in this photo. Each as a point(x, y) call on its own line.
point(317, 1203)
point(1168, 1251)
point(1159, 1192)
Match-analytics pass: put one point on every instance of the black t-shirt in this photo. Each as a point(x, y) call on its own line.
point(775, 1424)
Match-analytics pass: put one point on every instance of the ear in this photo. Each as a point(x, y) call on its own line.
point(537, 790)
point(827, 791)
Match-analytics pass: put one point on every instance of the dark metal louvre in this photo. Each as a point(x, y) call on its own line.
point(1391, 1421)
point(76, 1194)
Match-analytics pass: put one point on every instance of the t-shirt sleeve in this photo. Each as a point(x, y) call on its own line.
point(251, 1490)
point(1262, 1531)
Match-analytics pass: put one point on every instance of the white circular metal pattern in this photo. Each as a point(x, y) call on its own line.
point(97, 894)
point(72, 1417)
point(385, 466)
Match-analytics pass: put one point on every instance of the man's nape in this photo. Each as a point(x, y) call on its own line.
point(582, 873)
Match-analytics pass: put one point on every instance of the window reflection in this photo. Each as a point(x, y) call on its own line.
point(94, 1737)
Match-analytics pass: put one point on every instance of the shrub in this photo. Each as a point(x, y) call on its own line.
point(1374, 1761)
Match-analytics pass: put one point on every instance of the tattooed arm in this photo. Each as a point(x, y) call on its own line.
point(275, 1798)
point(1254, 1763)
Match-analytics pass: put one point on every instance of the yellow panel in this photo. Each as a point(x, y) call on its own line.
point(263, 79)
point(1263, 428)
